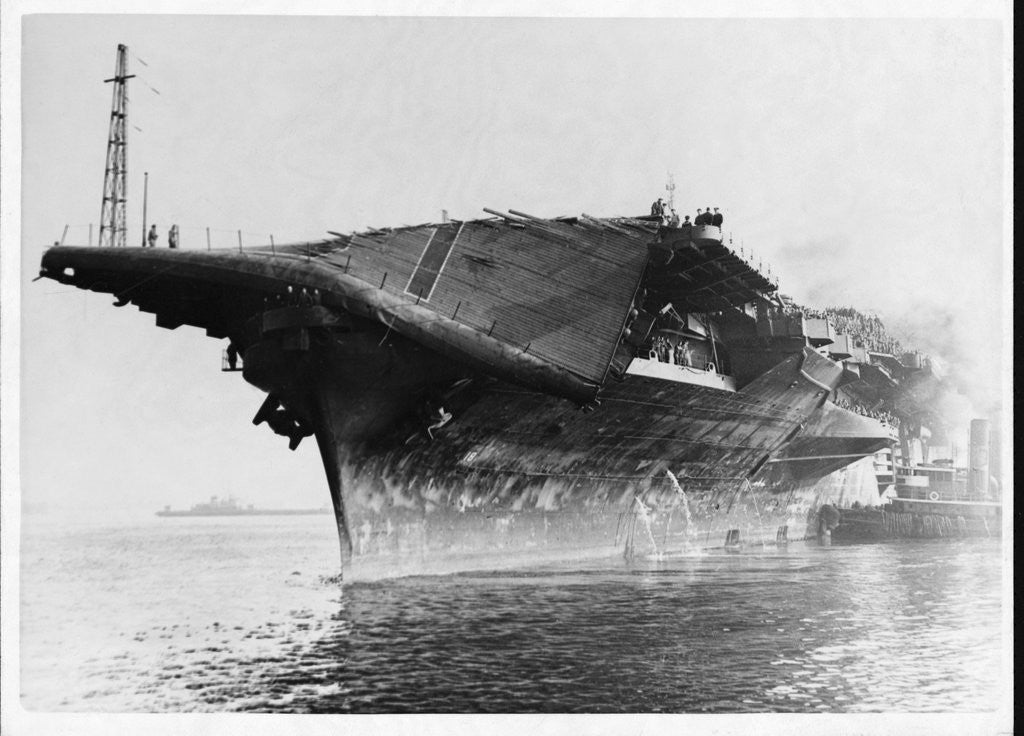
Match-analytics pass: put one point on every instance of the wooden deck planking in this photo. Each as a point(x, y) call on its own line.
point(557, 289)
point(568, 306)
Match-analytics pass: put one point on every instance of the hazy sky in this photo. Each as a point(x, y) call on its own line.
point(862, 158)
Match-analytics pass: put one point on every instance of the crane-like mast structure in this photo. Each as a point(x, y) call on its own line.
point(113, 230)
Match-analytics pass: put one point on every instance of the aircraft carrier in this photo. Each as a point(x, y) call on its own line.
point(515, 389)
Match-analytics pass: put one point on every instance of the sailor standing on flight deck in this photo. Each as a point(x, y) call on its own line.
point(716, 219)
point(172, 237)
point(658, 208)
point(673, 220)
point(152, 237)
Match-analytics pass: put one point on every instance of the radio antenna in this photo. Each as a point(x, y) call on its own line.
point(113, 231)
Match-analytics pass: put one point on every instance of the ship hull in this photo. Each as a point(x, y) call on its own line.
point(459, 524)
point(518, 476)
point(521, 478)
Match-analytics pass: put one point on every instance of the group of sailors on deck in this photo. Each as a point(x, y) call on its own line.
point(867, 331)
point(153, 236)
point(670, 218)
point(668, 352)
point(884, 416)
point(292, 298)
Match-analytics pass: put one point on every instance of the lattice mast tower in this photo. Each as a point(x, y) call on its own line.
point(113, 229)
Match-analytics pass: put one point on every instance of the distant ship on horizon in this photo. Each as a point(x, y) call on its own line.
point(230, 506)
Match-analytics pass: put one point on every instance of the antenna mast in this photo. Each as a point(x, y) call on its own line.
point(671, 189)
point(113, 230)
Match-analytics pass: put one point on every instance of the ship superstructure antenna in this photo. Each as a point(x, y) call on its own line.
point(113, 230)
point(670, 187)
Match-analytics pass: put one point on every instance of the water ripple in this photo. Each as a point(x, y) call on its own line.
point(911, 627)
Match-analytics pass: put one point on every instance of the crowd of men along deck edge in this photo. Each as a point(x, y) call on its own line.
point(670, 218)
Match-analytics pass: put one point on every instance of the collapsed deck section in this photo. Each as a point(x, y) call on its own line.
point(541, 303)
point(557, 289)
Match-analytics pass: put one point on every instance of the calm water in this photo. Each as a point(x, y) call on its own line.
point(241, 615)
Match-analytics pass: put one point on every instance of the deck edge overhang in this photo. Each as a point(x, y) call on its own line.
point(272, 274)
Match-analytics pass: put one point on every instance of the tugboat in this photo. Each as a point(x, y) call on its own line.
point(933, 500)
